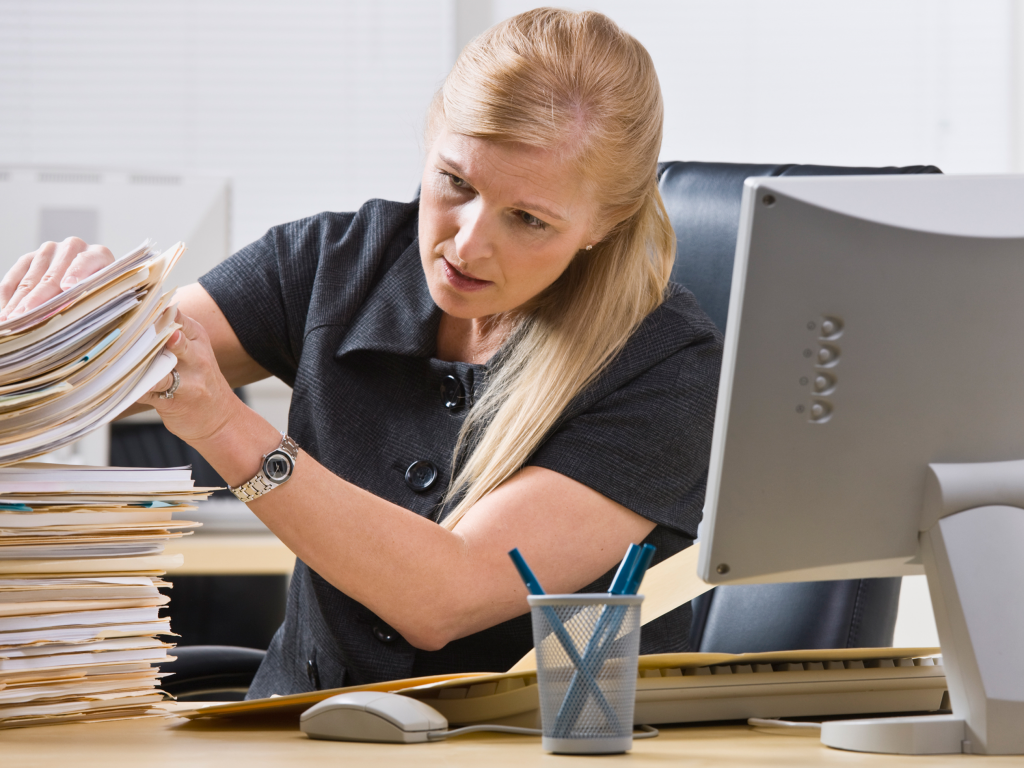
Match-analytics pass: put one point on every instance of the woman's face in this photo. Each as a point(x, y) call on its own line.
point(498, 223)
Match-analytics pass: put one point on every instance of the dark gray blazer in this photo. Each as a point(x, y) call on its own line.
point(337, 307)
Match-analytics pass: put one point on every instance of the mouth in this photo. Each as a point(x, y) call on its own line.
point(460, 280)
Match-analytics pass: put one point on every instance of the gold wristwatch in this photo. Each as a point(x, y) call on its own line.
point(277, 467)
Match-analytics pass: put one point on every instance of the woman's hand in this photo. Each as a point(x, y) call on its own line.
point(48, 270)
point(203, 402)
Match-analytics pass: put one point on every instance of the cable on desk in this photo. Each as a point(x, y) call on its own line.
point(646, 731)
point(442, 735)
point(771, 723)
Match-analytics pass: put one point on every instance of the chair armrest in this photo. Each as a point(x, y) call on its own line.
point(210, 669)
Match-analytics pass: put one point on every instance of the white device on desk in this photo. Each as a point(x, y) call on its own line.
point(392, 719)
point(871, 421)
point(372, 716)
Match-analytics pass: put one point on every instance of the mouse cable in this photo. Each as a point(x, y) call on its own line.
point(761, 722)
point(646, 731)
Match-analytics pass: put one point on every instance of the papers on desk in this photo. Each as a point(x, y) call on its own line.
point(81, 548)
point(81, 556)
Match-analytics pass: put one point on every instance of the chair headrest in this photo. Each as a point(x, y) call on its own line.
point(703, 202)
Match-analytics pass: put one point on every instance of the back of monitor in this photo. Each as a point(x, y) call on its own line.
point(119, 209)
point(871, 421)
point(873, 330)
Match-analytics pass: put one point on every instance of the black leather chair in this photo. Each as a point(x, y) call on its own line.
point(703, 201)
point(752, 618)
point(211, 672)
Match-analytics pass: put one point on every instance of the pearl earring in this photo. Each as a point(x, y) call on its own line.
point(590, 247)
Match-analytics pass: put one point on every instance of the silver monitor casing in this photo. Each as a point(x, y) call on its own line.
point(871, 421)
point(925, 277)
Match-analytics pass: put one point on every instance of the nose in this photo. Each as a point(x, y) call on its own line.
point(475, 238)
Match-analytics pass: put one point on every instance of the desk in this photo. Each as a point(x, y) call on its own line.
point(231, 542)
point(171, 744)
point(235, 554)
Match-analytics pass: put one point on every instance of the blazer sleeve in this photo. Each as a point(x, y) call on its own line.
point(305, 274)
point(643, 438)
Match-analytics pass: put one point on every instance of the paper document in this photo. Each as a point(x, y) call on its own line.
point(76, 362)
point(82, 548)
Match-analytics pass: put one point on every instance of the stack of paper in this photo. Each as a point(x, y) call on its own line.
point(77, 361)
point(81, 548)
point(80, 563)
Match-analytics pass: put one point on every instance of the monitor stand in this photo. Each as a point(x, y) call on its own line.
point(972, 545)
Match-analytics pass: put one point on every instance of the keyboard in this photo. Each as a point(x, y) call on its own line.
point(685, 688)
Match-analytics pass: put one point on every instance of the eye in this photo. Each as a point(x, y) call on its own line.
point(454, 180)
point(531, 221)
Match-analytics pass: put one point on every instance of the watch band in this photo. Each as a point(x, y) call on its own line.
point(262, 482)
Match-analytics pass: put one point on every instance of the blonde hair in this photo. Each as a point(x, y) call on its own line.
point(574, 81)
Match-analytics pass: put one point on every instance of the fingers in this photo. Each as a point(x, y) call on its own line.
point(187, 344)
point(36, 269)
point(88, 262)
point(10, 282)
point(202, 402)
point(191, 329)
point(163, 385)
point(42, 274)
point(49, 284)
point(178, 345)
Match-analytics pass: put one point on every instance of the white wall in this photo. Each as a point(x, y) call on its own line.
point(307, 105)
point(1017, 129)
point(876, 82)
point(319, 104)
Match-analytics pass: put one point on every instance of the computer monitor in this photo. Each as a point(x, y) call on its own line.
point(871, 420)
point(118, 208)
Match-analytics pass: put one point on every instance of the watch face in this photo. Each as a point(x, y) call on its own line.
point(278, 466)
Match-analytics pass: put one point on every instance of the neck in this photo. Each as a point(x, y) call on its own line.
point(472, 340)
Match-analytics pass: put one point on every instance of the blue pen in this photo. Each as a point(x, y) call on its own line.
point(532, 585)
point(626, 582)
point(638, 568)
point(640, 564)
point(587, 668)
point(643, 562)
point(534, 588)
point(625, 571)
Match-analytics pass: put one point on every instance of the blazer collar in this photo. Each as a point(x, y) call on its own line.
point(398, 316)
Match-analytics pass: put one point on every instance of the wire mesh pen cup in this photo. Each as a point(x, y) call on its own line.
point(587, 647)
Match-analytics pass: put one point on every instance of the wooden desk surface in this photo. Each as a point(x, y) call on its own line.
point(154, 743)
point(232, 554)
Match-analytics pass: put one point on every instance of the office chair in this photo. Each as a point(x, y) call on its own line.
point(211, 672)
point(703, 202)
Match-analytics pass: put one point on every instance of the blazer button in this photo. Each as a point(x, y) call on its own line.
point(420, 475)
point(384, 633)
point(453, 395)
point(312, 671)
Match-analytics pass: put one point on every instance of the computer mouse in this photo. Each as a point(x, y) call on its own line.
point(372, 716)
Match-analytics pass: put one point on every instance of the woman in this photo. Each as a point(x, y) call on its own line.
point(501, 363)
